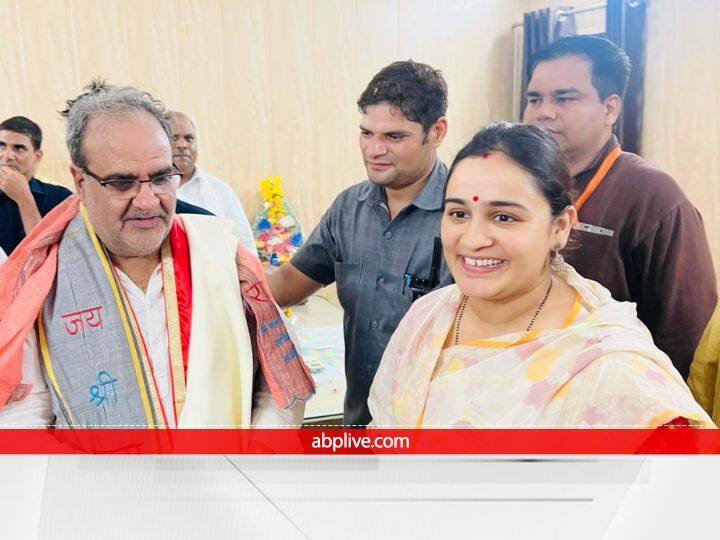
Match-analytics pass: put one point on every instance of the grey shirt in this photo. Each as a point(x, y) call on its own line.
point(359, 247)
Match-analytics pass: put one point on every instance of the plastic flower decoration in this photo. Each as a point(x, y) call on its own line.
point(278, 234)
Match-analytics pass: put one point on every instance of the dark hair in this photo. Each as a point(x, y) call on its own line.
point(610, 65)
point(20, 124)
point(532, 149)
point(418, 90)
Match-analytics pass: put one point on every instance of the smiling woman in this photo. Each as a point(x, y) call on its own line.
point(521, 339)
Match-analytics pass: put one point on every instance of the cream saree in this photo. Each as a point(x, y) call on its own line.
point(601, 369)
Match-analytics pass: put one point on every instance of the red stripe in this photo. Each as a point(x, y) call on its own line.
point(335, 441)
point(183, 283)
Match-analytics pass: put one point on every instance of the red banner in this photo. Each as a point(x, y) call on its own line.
point(333, 441)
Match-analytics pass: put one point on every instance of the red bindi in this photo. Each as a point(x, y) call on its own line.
point(485, 155)
point(475, 198)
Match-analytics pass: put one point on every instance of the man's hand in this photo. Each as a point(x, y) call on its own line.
point(14, 185)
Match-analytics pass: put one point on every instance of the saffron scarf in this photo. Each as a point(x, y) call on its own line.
point(27, 279)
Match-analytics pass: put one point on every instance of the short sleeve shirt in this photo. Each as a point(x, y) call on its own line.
point(367, 255)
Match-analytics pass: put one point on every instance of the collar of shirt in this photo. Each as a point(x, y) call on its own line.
point(154, 291)
point(582, 178)
point(36, 187)
point(198, 174)
point(430, 198)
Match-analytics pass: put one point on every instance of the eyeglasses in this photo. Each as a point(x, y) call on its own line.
point(127, 188)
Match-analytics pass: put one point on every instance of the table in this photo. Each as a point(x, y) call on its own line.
point(318, 325)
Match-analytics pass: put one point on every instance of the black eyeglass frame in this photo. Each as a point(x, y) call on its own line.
point(104, 182)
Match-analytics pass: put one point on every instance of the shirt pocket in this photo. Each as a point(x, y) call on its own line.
point(347, 279)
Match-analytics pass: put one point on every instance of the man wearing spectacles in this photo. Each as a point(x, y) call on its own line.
point(146, 318)
point(23, 198)
point(128, 188)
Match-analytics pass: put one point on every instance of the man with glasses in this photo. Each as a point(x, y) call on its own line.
point(24, 199)
point(144, 318)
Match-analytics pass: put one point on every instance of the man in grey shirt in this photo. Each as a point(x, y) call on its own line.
point(378, 238)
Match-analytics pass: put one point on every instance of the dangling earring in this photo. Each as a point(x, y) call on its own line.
point(556, 260)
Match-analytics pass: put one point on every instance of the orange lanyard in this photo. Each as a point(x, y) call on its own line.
point(598, 177)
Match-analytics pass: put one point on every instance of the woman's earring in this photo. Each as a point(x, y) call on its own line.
point(556, 260)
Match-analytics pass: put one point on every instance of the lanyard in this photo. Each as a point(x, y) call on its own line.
point(598, 177)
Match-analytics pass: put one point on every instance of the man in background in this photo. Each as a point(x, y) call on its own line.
point(376, 240)
point(23, 198)
point(639, 234)
point(203, 189)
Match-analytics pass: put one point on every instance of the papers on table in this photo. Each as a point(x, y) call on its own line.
point(323, 349)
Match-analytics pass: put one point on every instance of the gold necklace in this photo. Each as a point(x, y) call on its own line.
point(463, 305)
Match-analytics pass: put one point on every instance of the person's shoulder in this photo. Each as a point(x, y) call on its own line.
point(51, 188)
point(218, 184)
point(182, 207)
point(442, 170)
point(50, 194)
point(634, 164)
point(348, 203)
point(646, 373)
point(648, 180)
point(354, 193)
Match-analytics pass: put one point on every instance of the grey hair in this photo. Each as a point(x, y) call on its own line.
point(103, 99)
